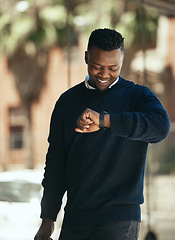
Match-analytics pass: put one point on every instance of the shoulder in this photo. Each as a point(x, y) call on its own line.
point(72, 94)
point(135, 88)
point(73, 90)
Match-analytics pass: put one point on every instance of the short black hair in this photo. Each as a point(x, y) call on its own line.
point(106, 39)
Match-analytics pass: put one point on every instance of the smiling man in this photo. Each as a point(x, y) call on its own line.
point(103, 66)
point(99, 135)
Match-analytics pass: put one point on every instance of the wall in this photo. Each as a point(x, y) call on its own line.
point(57, 83)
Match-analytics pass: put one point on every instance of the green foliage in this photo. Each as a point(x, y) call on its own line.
point(30, 28)
point(131, 26)
point(54, 15)
point(43, 23)
point(38, 24)
point(13, 33)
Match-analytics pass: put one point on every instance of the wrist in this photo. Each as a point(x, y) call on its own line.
point(47, 220)
point(48, 223)
point(107, 121)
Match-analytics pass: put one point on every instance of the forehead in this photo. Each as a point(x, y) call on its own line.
point(101, 57)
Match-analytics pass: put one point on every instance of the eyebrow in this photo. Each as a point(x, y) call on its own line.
point(102, 65)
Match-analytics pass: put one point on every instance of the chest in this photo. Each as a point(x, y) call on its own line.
point(112, 103)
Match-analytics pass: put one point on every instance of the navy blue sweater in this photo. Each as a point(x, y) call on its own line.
point(103, 171)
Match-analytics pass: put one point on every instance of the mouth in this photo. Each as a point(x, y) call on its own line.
point(102, 81)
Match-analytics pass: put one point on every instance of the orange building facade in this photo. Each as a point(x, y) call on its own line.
point(14, 139)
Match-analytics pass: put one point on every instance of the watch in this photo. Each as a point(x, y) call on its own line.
point(101, 119)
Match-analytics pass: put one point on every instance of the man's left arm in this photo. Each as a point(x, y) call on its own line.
point(149, 123)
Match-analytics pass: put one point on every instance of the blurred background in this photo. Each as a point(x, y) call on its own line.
point(42, 45)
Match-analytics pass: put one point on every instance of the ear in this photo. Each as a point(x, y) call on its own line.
point(123, 58)
point(86, 57)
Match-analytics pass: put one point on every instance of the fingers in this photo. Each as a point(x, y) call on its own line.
point(81, 130)
point(88, 121)
point(82, 127)
point(92, 128)
point(84, 122)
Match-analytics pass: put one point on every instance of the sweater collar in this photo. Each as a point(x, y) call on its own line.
point(88, 86)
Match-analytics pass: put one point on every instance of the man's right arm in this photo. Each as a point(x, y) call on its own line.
point(45, 231)
point(54, 176)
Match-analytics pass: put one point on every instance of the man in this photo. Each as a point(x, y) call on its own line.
point(99, 134)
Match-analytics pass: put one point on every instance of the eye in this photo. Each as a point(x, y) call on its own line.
point(96, 68)
point(113, 69)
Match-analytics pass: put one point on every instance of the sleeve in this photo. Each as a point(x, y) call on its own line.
point(149, 122)
point(54, 176)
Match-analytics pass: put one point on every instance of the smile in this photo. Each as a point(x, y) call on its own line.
point(102, 81)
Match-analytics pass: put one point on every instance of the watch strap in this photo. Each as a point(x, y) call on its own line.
point(101, 119)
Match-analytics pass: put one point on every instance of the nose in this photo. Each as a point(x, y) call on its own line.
point(104, 73)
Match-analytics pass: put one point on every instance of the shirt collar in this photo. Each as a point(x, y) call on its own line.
point(88, 86)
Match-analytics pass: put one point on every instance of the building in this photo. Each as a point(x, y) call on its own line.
point(159, 67)
point(18, 146)
point(21, 148)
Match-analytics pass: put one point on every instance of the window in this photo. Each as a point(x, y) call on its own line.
point(16, 137)
point(17, 127)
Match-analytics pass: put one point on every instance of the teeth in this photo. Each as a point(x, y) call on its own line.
point(102, 81)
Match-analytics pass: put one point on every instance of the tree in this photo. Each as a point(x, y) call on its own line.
point(30, 28)
point(28, 31)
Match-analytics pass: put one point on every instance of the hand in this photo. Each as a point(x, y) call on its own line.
point(88, 121)
point(45, 231)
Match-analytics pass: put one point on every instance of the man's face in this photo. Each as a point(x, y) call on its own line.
point(103, 67)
